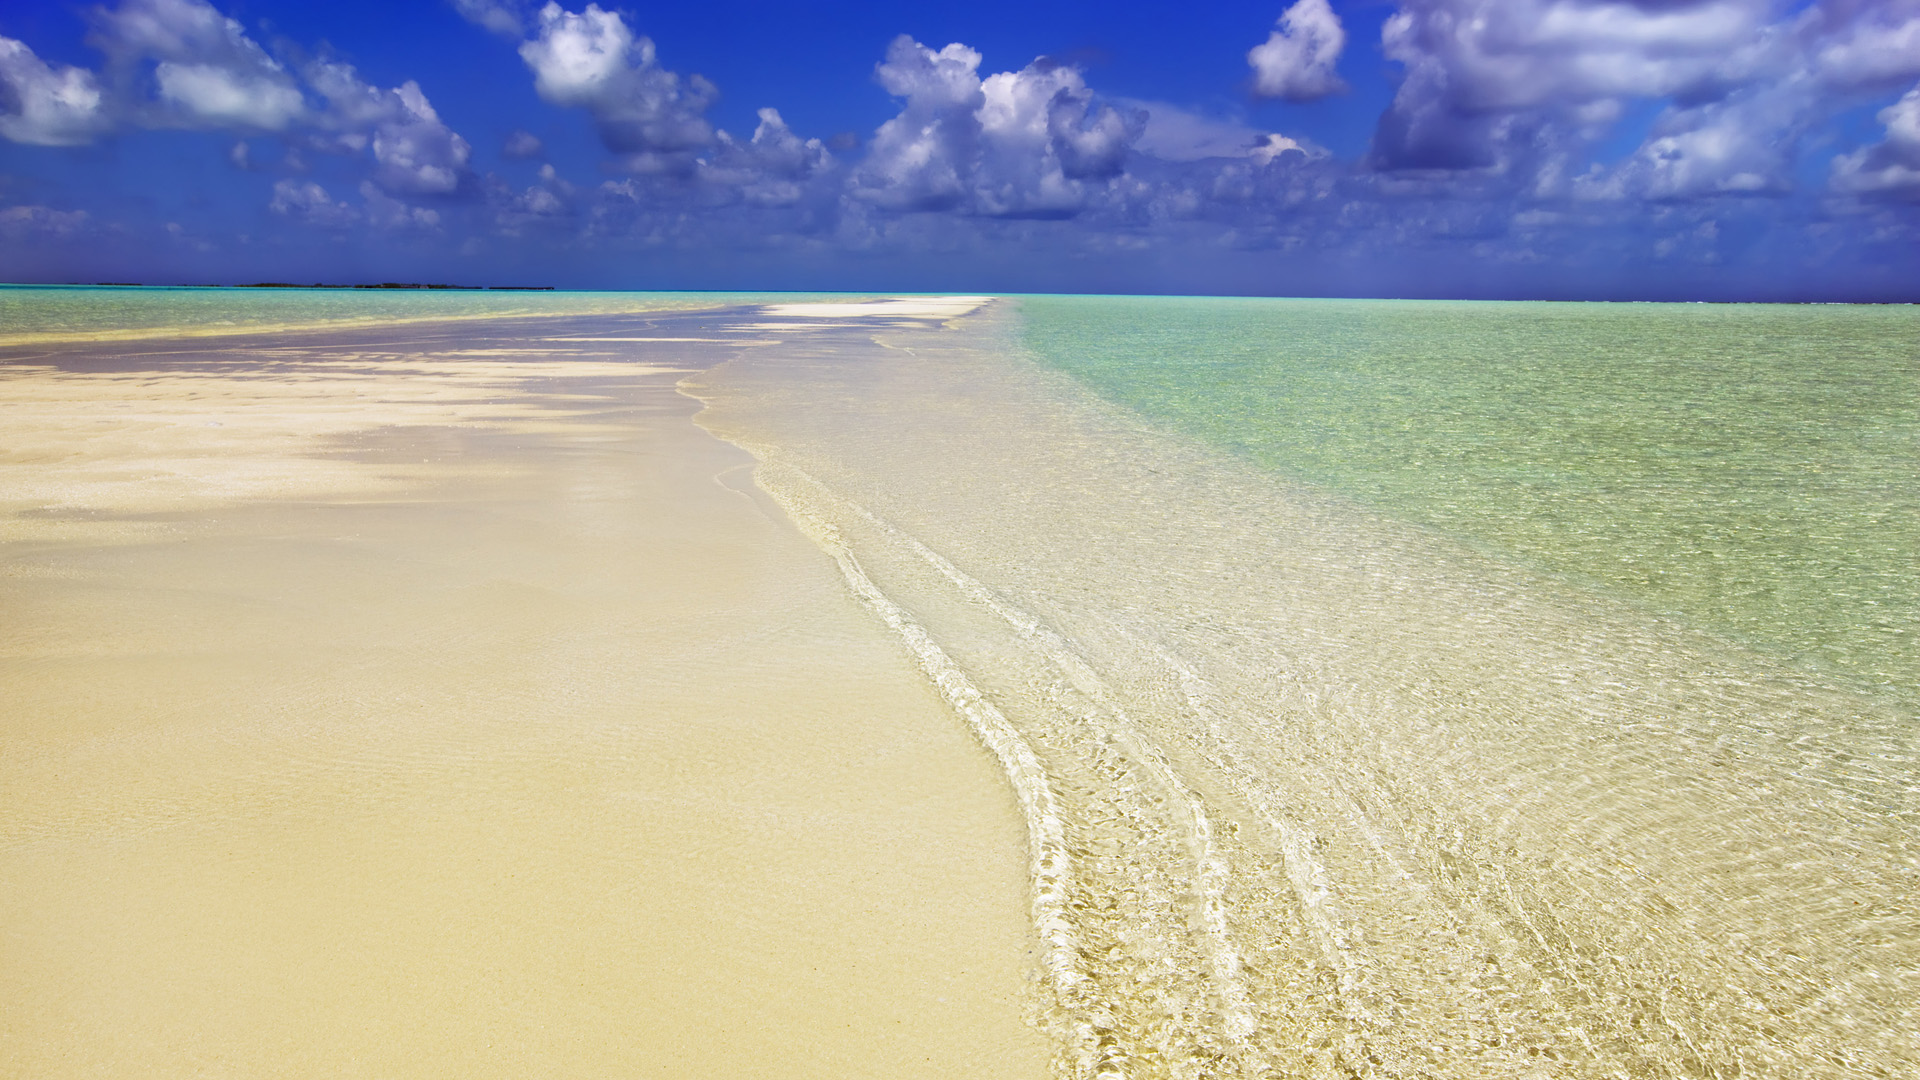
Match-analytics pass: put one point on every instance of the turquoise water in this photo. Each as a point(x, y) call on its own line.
point(1753, 468)
point(56, 312)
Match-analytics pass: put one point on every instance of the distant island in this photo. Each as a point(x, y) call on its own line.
point(382, 285)
point(393, 285)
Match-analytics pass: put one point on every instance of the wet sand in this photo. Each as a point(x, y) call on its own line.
point(442, 701)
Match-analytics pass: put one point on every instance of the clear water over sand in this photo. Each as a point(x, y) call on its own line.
point(1748, 466)
point(1316, 791)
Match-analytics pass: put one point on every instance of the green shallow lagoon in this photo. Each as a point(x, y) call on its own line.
point(1752, 468)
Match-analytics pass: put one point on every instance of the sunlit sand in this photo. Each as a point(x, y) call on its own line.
point(920, 307)
point(439, 702)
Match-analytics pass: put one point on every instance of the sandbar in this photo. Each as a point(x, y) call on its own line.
point(441, 700)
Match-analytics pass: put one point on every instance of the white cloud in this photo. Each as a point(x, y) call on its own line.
point(44, 106)
point(774, 168)
point(1091, 139)
point(1273, 146)
point(173, 29)
point(388, 212)
point(593, 60)
point(1017, 172)
point(415, 150)
point(21, 222)
point(214, 96)
point(1891, 166)
point(521, 145)
point(1508, 54)
point(307, 201)
point(416, 153)
point(503, 18)
point(1730, 147)
point(1485, 78)
point(548, 204)
point(353, 105)
point(918, 159)
point(1015, 144)
point(1525, 89)
point(1296, 61)
point(1172, 133)
point(576, 57)
point(208, 72)
point(1864, 44)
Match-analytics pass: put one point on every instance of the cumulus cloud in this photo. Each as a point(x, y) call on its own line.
point(181, 63)
point(417, 153)
point(1891, 166)
point(774, 168)
point(1273, 146)
point(414, 151)
point(207, 72)
point(1859, 43)
point(1504, 139)
point(45, 106)
point(1484, 77)
point(548, 205)
point(591, 59)
point(919, 160)
point(1296, 61)
point(1015, 144)
point(1741, 145)
point(387, 212)
point(1525, 89)
point(209, 95)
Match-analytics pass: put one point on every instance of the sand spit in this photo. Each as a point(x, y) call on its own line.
point(439, 700)
point(938, 308)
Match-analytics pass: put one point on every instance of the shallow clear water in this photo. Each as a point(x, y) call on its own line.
point(1313, 790)
point(1754, 468)
point(31, 313)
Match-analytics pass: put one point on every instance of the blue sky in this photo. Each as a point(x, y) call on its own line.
point(1619, 149)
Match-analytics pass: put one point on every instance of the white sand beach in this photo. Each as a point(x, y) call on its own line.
point(441, 701)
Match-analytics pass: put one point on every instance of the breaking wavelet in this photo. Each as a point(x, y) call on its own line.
point(1333, 794)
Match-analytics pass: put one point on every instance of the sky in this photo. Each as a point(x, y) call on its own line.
point(1524, 149)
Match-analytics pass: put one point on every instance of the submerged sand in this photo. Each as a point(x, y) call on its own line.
point(442, 701)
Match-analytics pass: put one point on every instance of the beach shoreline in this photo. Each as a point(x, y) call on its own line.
point(440, 698)
point(843, 690)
